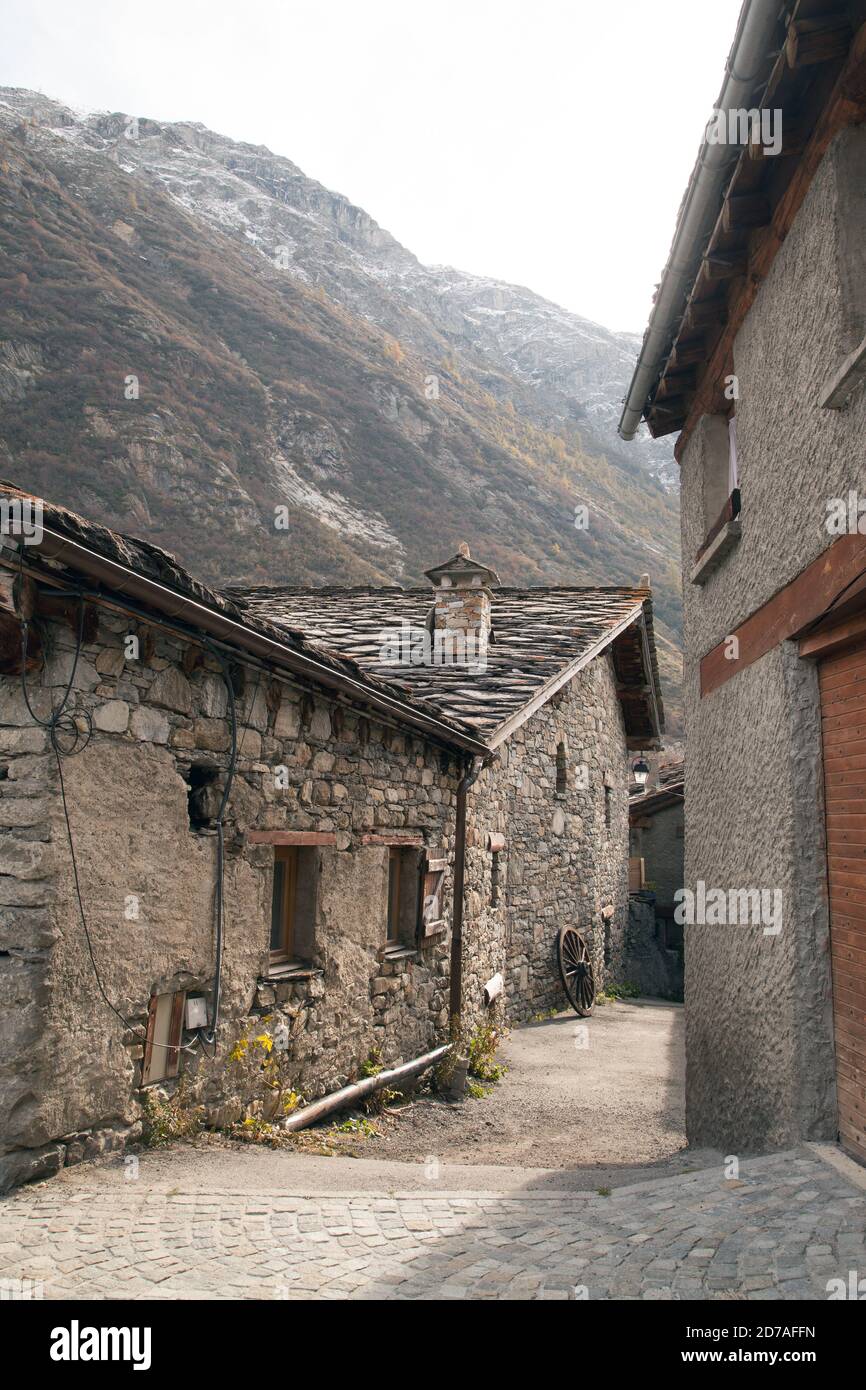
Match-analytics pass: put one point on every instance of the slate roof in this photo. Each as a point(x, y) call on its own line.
point(540, 636)
point(537, 634)
point(149, 561)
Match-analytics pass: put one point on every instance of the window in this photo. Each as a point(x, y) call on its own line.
point(432, 909)
point(720, 493)
point(203, 797)
point(164, 1028)
point(608, 807)
point(561, 770)
point(494, 880)
point(403, 882)
point(293, 904)
point(283, 903)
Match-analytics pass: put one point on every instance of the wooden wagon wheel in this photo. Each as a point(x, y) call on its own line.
point(575, 967)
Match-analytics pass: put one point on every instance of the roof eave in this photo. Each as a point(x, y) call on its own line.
point(550, 688)
point(173, 605)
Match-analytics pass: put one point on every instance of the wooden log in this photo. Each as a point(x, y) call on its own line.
point(688, 352)
point(338, 1100)
point(811, 41)
point(724, 265)
point(795, 136)
point(702, 313)
point(743, 210)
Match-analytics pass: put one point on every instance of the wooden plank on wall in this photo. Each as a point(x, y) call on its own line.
point(788, 613)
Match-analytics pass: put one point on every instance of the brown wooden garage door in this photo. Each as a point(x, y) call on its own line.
point(843, 718)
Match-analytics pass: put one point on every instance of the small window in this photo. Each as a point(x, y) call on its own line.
point(203, 797)
point(721, 478)
point(403, 869)
point(164, 1028)
point(293, 904)
point(608, 807)
point(494, 881)
point(561, 769)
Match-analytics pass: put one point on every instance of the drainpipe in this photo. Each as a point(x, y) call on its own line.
point(465, 783)
point(751, 48)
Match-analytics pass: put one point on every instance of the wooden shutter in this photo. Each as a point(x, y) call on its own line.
point(431, 907)
point(843, 723)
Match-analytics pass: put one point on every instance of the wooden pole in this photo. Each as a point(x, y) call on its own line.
point(359, 1089)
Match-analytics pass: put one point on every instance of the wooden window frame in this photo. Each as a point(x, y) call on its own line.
point(175, 1031)
point(288, 855)
point(395, 897)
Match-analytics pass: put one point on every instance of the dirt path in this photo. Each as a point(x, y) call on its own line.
point(606, 1091)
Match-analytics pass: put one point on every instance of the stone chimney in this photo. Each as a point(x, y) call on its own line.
point(462, 600)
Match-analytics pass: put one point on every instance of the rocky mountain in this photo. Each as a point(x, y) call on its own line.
point(194, 334)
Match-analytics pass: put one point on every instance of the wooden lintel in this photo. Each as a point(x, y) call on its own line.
point(291, 837)
point(788, 613)
point(823, 641)
point(406, 838)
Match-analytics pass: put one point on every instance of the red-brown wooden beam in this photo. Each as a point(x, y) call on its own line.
point(789, 612)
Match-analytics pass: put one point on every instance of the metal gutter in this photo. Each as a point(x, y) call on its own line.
point(198, 615)
point(748, 55)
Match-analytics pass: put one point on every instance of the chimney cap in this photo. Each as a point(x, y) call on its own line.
point(462, 572)
point(644, 582)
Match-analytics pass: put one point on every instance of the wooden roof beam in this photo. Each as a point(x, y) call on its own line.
point(811, 41)
point(743, 211)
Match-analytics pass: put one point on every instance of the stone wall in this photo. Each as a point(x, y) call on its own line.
point(649, 963)
point(562, 863)
point(759, 1028)
point(70, 1071)
point(660, 841)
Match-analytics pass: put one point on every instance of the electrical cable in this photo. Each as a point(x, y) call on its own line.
point(207, 1036)
point(57, 721)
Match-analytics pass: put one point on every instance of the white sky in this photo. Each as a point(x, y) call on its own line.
point(545, 142)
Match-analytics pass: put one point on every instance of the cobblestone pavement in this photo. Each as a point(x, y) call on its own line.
point(790, 1223)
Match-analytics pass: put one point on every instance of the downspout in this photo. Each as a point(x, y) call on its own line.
point(751, 48)
point(466, 781)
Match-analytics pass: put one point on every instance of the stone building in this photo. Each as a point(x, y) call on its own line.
point(654, 938)
point(275, 814)
point(756, 353)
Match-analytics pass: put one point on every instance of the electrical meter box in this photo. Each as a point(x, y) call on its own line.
point(196, 1011)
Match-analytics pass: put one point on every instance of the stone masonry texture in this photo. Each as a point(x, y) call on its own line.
point(70, 1075)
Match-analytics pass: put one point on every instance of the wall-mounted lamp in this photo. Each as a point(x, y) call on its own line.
point(640, 771)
